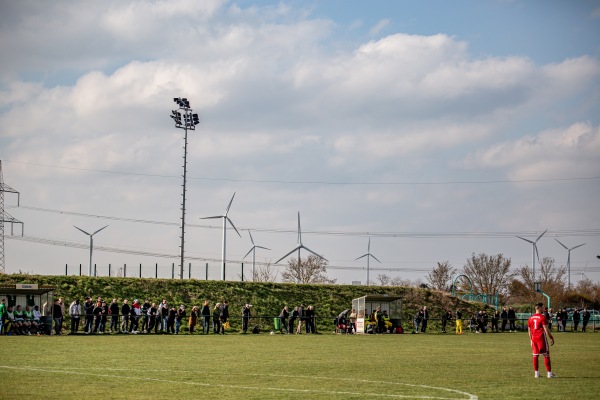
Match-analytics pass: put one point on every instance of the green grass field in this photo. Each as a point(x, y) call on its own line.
point(432, 366)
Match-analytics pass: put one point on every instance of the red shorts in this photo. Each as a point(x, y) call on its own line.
point(540, 346)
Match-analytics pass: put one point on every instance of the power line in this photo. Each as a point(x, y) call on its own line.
point(413, 235)
point(279, 181)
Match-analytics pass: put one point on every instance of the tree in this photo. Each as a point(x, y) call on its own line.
point(308, 270)
point(550, 276)
point(384, 280)
point(440, 278)
point(489, 274)
point(265, 273)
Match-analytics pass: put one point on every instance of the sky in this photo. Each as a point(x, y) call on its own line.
point(436, 130)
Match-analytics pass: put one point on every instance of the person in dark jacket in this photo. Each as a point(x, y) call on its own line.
point(245, 317)
point(97, 316)
point(223, 315)
point(495, 318)
point(114, 316)
point(586, 318)
point(576, 318)
point(125, 311)
point(310, 319)
point(205, 317)
point(425, 319)
point(293, 317)
point(301, 319)
point(171, 320)
point(447, 316)
point(88, 308)
point(512, 316)
point(57, 316)
point(504, 318)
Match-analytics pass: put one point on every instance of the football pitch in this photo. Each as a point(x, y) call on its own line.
point(424, 366)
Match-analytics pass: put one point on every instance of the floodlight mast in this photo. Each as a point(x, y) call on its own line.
point(189, 122)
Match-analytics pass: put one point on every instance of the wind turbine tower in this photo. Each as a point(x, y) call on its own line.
point(534, 250)
point(368, 255)
point(300, 246)
point(569, 260)
point(223, 248)
point(253, 250)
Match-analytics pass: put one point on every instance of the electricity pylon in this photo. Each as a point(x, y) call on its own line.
point(6, 217)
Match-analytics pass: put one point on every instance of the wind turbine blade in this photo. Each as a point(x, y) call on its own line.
point(369, 246)
point(82, 230)
point(527, 240)
point(566, 248)
point(375, 258)
point(296, 248)
point(537, 253)
point(260, 247)
point(539, 237)
point(573, 248)
point(99, 230)
point(364, 255)
point(310, 251)
point(215, 217)
point(252, 240)
point(249, 251)
point(227, 218)
point(230, 201)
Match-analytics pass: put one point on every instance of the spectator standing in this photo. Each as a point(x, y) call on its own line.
point(352, 321)
point(125, 311)
point(564, 319)
point(88, 307)
point(550, 318)
point(586, 318)
point(446, 316)
point(512, 316)
point(215, 319)
point(223, 315)
point(495, 318)
point(504, 318)
point(293, 318)
point(538, 336)
point(576, 318)
point(63, 313)
point(57, 316)
point(113, 310)
point(245, 317)
point(301, 319)
point(425, 319)
point(418, 318)
point(104, 316)
point(171, 320)
point(145, 311)
point(97, 315)
point(179, 317)
point(459, 324)
point(559, 325)
point(309, 315)
point(205, 317)
point(153, 323)
point(134, 316)
point(75, 313)
point(283, 320)
point(164, 314)
point(379, 320)
point(193, 319)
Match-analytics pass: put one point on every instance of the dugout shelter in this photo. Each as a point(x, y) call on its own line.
point(30, 294)
point(367, 304)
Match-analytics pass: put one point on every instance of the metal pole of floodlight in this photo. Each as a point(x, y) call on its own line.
point(91, 235)
point(184, 119)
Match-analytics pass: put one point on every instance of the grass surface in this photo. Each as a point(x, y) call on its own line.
point(490, 366)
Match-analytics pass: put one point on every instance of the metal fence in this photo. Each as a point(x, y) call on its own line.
point(234, 272)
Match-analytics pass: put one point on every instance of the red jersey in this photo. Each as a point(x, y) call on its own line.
point(536, 325)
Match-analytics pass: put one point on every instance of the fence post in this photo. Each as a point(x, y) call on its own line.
point(206, 271)
point(79, 269)
point(95, 271)
point(189, 270)
point(173, 271)
point(109, 270)
point(140, 270)
point(242, 272)
point(124, 270)
point(66, 269)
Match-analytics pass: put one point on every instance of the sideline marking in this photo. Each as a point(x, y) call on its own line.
point(333, 392)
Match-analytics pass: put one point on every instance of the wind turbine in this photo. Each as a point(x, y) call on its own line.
point(568, 260)
point(368, 255)
point(534, 251)
point(91, 245)
point(223, 248)
point(253, 250)
point(583, 275)
point(300, 246)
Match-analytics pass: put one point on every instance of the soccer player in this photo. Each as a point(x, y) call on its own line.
point(539, 333)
